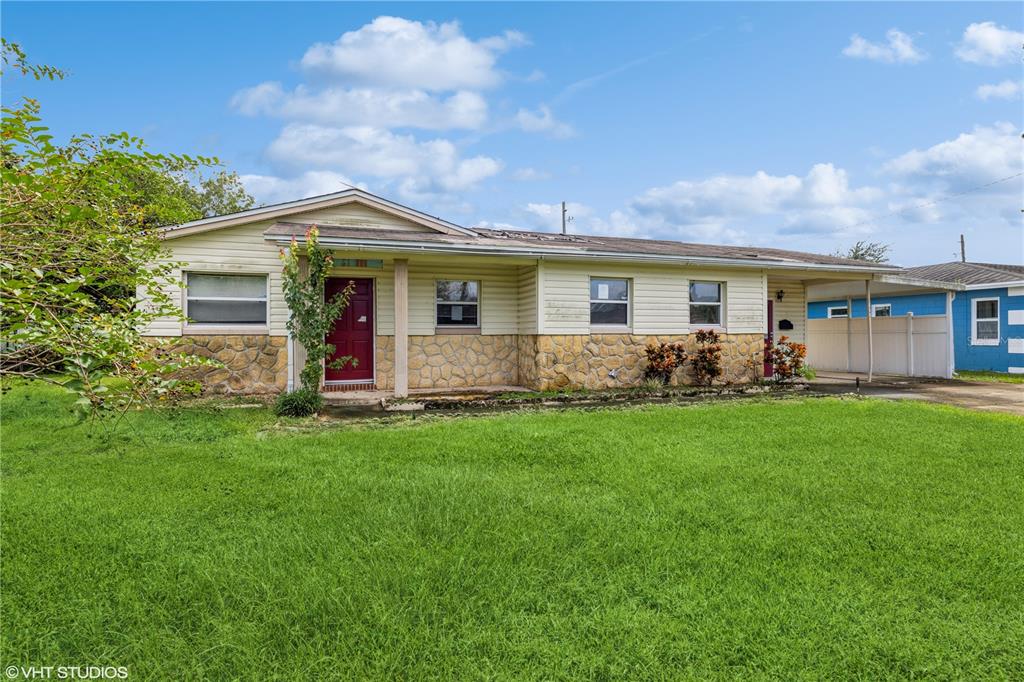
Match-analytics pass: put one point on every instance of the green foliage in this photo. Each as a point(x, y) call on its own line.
point(707, 358)
point(167, 196)
point(302, 402)
point(13, 56)
point(745, 540)
point(312, 316)
point(76, 251)
point(871, 252)
point(808, 373)
point(663, 360)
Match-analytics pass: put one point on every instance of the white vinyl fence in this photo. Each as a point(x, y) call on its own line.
point(907, 346)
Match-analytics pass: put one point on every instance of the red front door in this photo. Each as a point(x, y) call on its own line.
point(769, 340)
point(353, 333)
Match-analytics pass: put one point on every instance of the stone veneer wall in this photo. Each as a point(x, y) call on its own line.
point(461, 360)
point(252, 364)
point(585, 361)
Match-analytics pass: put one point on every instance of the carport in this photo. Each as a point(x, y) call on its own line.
point(860, 335)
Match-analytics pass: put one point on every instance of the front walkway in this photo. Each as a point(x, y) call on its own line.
point(975, 395)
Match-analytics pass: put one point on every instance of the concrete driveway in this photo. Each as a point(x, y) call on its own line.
point(975, 395)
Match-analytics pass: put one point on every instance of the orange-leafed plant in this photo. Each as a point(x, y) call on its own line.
point(663, 360)
point(787, 359)
point(707, 358)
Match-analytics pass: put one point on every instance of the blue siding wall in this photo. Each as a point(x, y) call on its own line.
point(995, 358)
point(919, 304)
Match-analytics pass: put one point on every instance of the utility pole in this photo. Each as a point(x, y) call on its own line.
point(963, 251)
point(566, 218)
point(563, 217)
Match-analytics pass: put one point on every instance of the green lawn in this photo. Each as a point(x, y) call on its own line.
point(999, 377)
point(814, 539)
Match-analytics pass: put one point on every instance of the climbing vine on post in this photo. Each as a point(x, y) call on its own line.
point(312, 315)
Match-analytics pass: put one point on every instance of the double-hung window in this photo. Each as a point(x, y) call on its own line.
point(457, 303)
point(706, 304)
point(985, 322)
point(838, 311)
point(216, 299)
point(609, 302)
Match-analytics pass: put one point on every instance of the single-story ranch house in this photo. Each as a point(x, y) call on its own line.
point(440, 306)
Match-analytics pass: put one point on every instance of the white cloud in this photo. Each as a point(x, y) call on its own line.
point(1008, 89)
point(530, 175)
point(422, 167)
point(397, 52)
point(983, 155)
point(987, 44)
point(543, 121)
point(365, 106)
point(270, 189)
point(898, 48)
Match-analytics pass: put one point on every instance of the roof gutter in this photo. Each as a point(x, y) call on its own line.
point(488, 250)
point(919, 282)
point(995, 285)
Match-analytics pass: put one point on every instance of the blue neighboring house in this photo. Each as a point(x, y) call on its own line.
point(988, 315)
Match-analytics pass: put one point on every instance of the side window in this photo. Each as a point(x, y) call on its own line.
point(985, 322)
point(609, 302)
point(706, 304)
point(457, 303)
point(225, 299)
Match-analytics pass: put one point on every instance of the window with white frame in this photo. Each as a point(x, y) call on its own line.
point(609, 302)
point(838, 311)
point(225, 299)
point(985, 322)
point(706, 304)
point(881, 310)
point(457, 303)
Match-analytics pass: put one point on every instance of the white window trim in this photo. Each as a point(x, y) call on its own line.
point(975, 341)
point(721, 305)
point(875, 307)
point(224, 327)
point(832, 316)
point(478, 303)
point(628, 303)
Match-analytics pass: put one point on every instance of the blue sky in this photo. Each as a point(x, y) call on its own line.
point(804, 126)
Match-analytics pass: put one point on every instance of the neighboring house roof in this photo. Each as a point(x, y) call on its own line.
point(973, 275)
point(287, 208)
point(541, 244)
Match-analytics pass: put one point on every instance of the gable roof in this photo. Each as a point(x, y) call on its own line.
point(348, 196)
point(974, 275)
point(546, 244)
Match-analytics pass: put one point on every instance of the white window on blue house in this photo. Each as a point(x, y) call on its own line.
point(881, 310)
point(838, 311)
point(985, 322)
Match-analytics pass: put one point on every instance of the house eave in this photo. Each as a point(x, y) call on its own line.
point(577, 254)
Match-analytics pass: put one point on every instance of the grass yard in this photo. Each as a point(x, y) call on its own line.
point(998, 377)
point(815, 539)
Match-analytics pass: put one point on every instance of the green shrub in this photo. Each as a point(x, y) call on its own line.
point(302, 402)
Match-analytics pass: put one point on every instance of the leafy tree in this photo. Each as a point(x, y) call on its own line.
point(872, 252)
point(313, 315)
point(76, 249)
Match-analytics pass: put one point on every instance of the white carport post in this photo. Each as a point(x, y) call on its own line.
point(871, 344)
point(849, 333)
point(401, 327)
point(950, 351)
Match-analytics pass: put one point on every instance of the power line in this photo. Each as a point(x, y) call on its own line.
point(908, 209)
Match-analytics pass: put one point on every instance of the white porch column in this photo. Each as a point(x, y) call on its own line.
point(401, 327)
point(299, 360)
point(910, 344)
point(950, 350)
point(871, 341)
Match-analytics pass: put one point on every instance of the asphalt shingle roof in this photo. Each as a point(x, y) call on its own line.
point(969, 273)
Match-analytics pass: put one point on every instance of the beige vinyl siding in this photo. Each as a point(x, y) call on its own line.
point(357, 215)
point(527, 299)
point(659, 297)
point(233, 250)
point(498, 295)
point(793, 307)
